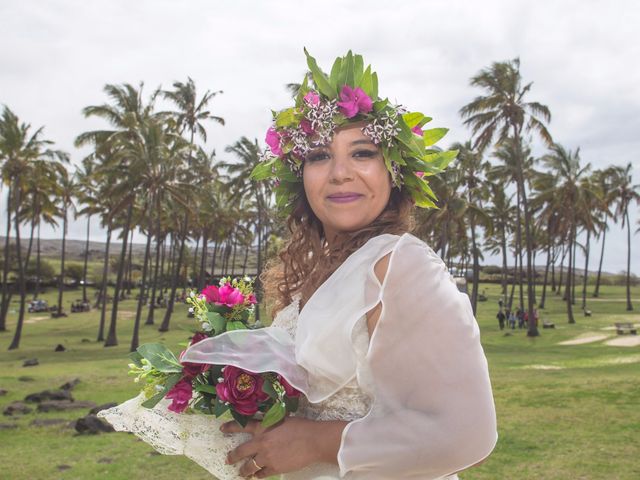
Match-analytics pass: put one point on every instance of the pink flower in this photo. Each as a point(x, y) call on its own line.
point(225, 295)
point(273, 140)
point(180, 395)
point(312, 98)
point(242, 389)
point(419, 174)
point(306, 127)
point(417, 130)
point(252, 299)
point(354, 101)
point(189, 369)
point(288, 389)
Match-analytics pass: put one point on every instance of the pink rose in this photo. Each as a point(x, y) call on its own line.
point(417, 130)
point(225, 295)
point(312, 98)
point(288, 389)
point(273, 140)
point(189, 369)
point(252, 299)
point(306, 127)
point(419, 174)
point(242, 389)
point(354, 101)
point(180, 394)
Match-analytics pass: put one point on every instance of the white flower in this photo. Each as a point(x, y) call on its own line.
point(220, 379)
point(247, 278)
point(206, 327)
point(159, 388)
point(190, 309)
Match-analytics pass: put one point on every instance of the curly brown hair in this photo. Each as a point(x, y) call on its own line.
point(307, 260)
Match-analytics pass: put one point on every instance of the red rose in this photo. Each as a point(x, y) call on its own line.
point(242, 389)
point(189, 369)
point(180, 394)
point(288, 389)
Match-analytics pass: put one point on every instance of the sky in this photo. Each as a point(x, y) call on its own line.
point(57, 55)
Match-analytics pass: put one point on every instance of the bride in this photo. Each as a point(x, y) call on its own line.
point(397, 381)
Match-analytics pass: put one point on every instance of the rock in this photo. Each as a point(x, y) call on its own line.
point(59, 348)
point(26, 378)
point(62, 405)
point(105, 460)
point(70, 385)
point(62, 468)
point(104, 406)
point(85, 340)
point(91, 424)
point(3, 392)
point(17, 408)
point(48, 422)
point(8, 426)
point(49, 395)
point(31, 362)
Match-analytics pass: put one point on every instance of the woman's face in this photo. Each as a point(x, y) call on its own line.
point(346, 183)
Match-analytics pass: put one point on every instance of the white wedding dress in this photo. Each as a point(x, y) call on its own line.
point(417, 394)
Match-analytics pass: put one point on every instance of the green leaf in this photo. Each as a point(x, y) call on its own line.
point(413, 118)
point(267, 387)
point(286, 118)
point(206, 388)
point(440, 160)
point(263, 170)
point(241, 419)
point(432, 135)
point(291, 403)
point(319, 78)
point(349, 65)
point(235, 326)
point(335, 73)
point(374, 86)
point(366, 82)
point(136, 358)
point(358, 68)
point(217, 321)
point(160, 357)
point(169, 384)
point(219, 408)
point(274, 415)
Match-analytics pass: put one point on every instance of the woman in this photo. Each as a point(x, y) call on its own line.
point(415, 401)
point(397, 383)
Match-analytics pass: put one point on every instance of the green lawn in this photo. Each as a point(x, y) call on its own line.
point(563, 411)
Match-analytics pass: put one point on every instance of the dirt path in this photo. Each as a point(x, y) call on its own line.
point(585, 338)
point(37, 319)
point(624, 341)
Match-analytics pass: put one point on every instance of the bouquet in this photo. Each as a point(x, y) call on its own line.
point(214, 389)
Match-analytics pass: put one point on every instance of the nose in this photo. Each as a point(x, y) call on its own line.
point(341, 169)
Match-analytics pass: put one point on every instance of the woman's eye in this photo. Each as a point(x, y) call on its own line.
point(316, 156)
point(365, 153)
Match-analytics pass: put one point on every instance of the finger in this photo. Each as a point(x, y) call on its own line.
point(249, 468)
point(235, 427)
point(242, 451)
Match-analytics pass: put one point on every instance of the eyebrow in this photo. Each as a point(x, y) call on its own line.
point(362, 142)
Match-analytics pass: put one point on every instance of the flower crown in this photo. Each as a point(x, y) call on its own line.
point(348, 95)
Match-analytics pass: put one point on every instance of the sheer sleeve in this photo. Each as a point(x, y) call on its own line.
point(433, 412)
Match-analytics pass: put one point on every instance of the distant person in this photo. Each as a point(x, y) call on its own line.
point(520, 317)
point(501, 317)
point(512, 320)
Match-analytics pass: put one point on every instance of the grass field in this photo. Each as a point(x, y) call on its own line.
point(564, 411)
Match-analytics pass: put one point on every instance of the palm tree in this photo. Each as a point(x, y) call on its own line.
point(625, 193)
point(560, 188)
point(67, 191)
point(502, 113)
point(86, 192)
point(602, 180)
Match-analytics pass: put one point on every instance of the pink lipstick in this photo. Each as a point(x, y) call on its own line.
point(344, 197)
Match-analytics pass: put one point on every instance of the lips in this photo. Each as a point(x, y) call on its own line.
point(343, 197)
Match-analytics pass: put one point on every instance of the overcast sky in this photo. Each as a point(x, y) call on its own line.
point(56, 56)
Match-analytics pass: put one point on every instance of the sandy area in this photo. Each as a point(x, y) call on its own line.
point(624, 341)
point(585, 338)
point(126, 314)
point(544, 367)
point(37, 319)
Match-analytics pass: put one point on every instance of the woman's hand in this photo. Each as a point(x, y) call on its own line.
point(290, 445)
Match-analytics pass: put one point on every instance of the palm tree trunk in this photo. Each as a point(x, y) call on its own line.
point(570, 276)
point(195, 261)
point(543, 297)
point(174, 282)
point(129, 268)
point(104, 288)
point(233, 260)
point(519, 243)
point(213, 260)
point(141, 300)
point(596, 292)
point(586, 272)
point(573, 270)
point(86, 261)
point(564, 254)
point(629, 305)
point(15, 343)
point(64, 240)
point(476, 269)
point(37, 290)
point(513, 279)
point(246, 258)
point(5, 269)
point(504, 262)
point(203, 261)
point(553, 270)
point(112, 338)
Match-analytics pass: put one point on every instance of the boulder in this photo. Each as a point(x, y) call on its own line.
point(85, 340)
point(59, 348)
point(31, 362)
point(49, 395)
point(104, 406)
point(26, 378)
point(92, 425)
point(3, 392)
point(70, 384)
point(48, 422)
point(62, 405)
point(8, 426)
point(17, 408)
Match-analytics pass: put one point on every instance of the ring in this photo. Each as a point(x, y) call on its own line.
point(255, 464)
